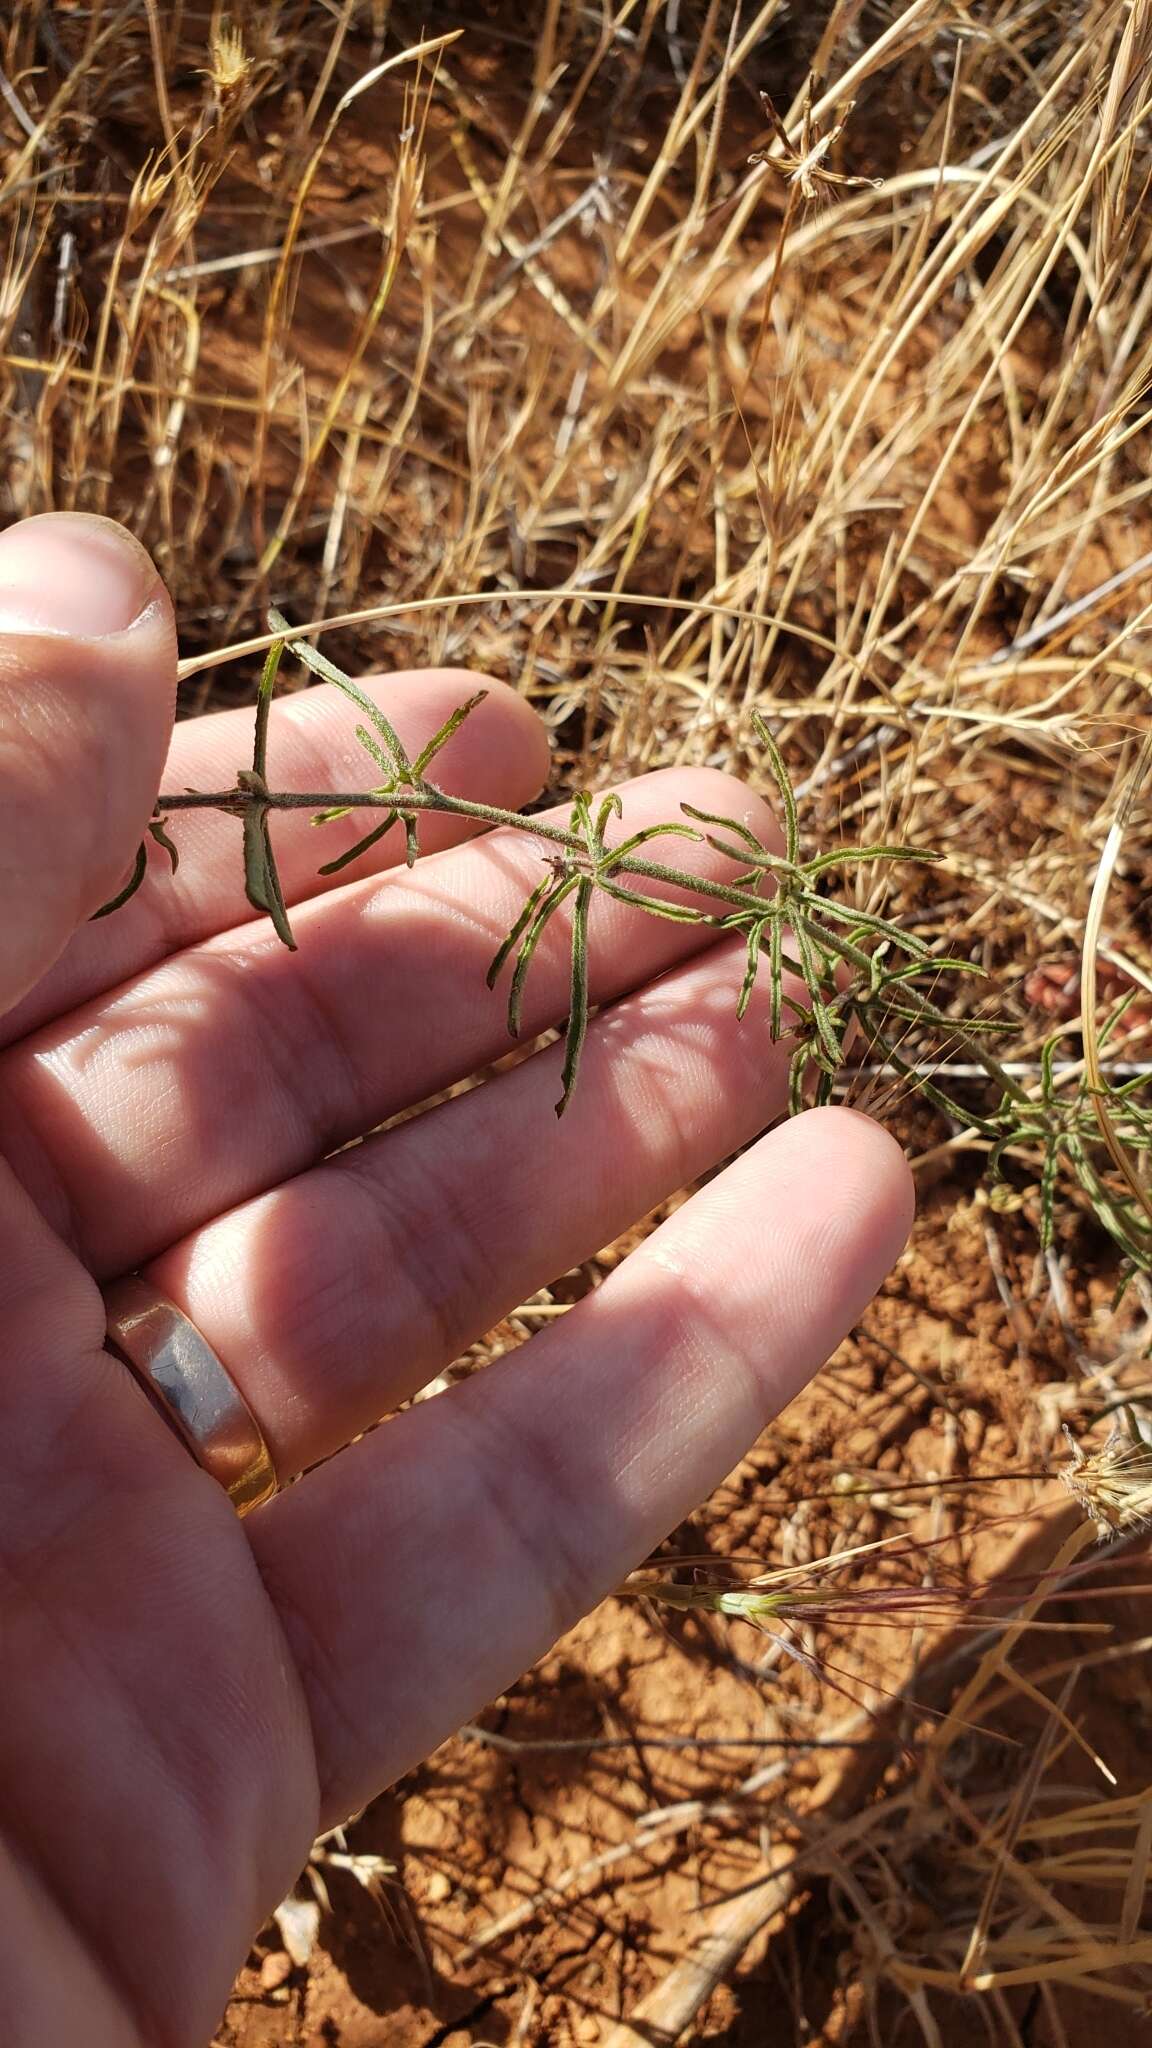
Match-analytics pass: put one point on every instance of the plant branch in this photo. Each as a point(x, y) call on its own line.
point(857, 967)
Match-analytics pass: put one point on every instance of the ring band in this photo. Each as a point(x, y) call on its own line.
point(182, 1375)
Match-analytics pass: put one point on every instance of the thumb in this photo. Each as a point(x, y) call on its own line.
point(87, 692)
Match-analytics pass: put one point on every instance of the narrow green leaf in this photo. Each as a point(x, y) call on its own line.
point(611, 807)
point(784, 785)
point(124, 895)
point(825, 1032)
point(560, 889)
point(776, 976)
point(797, 1069)
point(797, 1011)
point(751, 853)
point(754, 864)
point(789, 965)
point(922, 1013)
point(940, 963)
point(862, 920)
point(578, 998)
point(994, 1164)
point(826, 1062)
point(342, 860)
point(519, 928)
point(440, 739)
point(926, 1087)
point(1135, 1086)
point(261, 881)
point(1108, 1028)
point(158, 828)
point(649, 832)
point(1108, 1211)
point(264, 696)
point(580, 823)
point(1124, 1282)
point(845, 856)
point(1048, 1195)
point(751, 963)
point(843, 948)
point(742, 831)
point(382, 760)
point(320, 665)
point(677, 913)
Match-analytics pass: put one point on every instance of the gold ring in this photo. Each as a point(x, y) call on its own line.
point(182, 1375)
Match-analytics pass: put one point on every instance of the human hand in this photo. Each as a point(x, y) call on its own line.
point(188, 1698)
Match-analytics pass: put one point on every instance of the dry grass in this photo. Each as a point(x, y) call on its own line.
point(852, 434)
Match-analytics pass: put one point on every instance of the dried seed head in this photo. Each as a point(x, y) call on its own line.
point(1114, 1484)
point(748, 1603)
point(229, 63)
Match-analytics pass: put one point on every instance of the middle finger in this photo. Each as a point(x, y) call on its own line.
point(235, 1064)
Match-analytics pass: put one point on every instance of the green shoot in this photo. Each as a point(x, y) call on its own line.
point(831, 970)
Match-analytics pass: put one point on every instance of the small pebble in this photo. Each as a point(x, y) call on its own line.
point(275, 1970)
point(439, 1887)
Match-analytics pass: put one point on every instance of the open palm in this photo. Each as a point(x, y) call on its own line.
point(186, 1698)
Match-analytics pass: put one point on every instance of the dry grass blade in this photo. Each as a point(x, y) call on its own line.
point(1093, 1062)
point(666, 2015)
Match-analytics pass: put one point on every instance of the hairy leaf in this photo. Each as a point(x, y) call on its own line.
point(261, 880)
point(578, 996)
point(320, 665)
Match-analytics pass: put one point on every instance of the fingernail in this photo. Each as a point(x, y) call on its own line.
point(74, 573)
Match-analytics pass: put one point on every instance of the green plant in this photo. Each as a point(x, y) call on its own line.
point(862, 973)
point(1064, 1126)
point(858, 969)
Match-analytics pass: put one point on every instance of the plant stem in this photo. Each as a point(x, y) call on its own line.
point(236, 802)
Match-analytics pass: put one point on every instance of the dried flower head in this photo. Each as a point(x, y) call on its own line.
point(1114, 1484)
point(805, 165)
point(229, 63)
